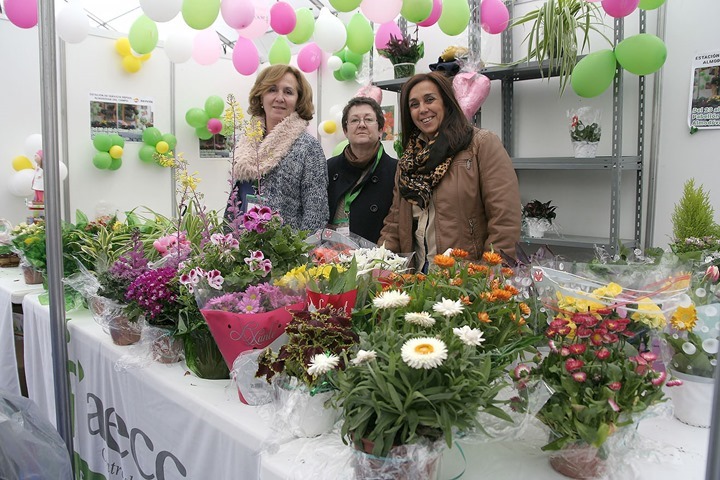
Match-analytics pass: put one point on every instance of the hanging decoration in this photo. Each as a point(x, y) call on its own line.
point(130, 62)
point(72, 23)
point(143, 35)
point(110, 151)
point(206, 122)
point(156, 146)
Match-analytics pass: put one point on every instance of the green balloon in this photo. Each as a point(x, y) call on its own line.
point(170, 139)
point(197, 117)
point(594, 73)
point(147, 153)
point(279, 52)
point(338, 75)
point(641, 54)
point(214, 106)
point(304, 26)
point(151, 136)
point(345, 5)
point(353, 58)
point(200, 14)
point(115, 164)
point(416, 11)
point(342, 54)
point(203, 133)
point(348, 71)
point(117, 140)
point(650, 4)
point(454, 17)
point(360, 34)
point(102, 142)
point(339, 148)
point(102, 160)
point(143, 35)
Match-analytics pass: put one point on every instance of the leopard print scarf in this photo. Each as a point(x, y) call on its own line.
point(422, 166)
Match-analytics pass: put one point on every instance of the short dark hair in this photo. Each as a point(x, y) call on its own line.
point(269, 77)
point(455, 125)
point(354, 102)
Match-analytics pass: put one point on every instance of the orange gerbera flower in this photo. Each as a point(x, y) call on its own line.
point(492, 258)
point(511, 289)
point(524, 308)
point(500, 294)
point(474, 268)
point(420, 277)
point(456, 282)
point(508, 272)
point(459, 253)
point(465, 299)
point(444, 261)
point(484, 317)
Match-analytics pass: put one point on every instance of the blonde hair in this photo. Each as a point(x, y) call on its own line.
point(269, 77)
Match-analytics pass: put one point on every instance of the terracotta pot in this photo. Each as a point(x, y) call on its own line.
point(578, 460)
point(404, 462)
point(9, 260)
point(32, 276)
point(123, 331)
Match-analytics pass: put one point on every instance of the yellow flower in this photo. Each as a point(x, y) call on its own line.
point(684, 318)
point(295, 279)
point(609, 291)
point(323, 271)
point(165, 160)
point(31, 240)
point(188, 180)
point(649, 314)
point(117, 226)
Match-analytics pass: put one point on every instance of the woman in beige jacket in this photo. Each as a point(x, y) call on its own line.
point(455, 186)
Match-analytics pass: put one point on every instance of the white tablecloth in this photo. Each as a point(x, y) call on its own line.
point(38, 355)
point(12, 291)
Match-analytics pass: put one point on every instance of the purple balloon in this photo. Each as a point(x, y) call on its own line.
point(434, 15)
point(22, 13)
point(309, 58)
point(620, 8)
point(245, 56)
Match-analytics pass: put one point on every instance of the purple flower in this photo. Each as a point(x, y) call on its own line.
point(215, 279)
point(256, 218)
point(249, 305)
point(152, 292)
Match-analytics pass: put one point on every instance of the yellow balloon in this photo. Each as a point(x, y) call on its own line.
point(144, 58)
point(162, 146)
point(329, 126)
point(21, 162)
point(122, 46)
point(116, 151)
point(131, 64)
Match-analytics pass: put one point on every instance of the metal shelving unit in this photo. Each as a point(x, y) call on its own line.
point(616, 163)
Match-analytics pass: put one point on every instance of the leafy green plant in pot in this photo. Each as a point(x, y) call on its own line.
point(559, 31)
point(538, 217)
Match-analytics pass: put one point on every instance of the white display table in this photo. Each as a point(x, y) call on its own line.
point(161, 420)
point(12, 290)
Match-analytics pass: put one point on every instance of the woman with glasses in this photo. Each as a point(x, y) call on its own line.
point(280, 164)
point(455, 185)
point(361, 178)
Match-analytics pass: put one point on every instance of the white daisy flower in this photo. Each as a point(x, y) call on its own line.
point(448, 308)
point(469, 336)
point(424, 352)
point(420, 318)
point(364, 356)
point(391, 299)
point(322, 363)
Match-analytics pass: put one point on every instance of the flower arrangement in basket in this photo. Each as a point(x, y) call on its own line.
point(600, 368)
point(585, 131)
point(538, 217)
point(432, 356)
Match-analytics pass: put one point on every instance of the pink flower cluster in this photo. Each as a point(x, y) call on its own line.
point(256, 218)
point(192, 278)
point(152, 292)
point(255, 299)
point(175, 244)
point(257, 261)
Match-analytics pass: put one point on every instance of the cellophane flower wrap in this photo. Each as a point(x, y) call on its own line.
point(600, 368)
point(432, 355)
point(234, 281)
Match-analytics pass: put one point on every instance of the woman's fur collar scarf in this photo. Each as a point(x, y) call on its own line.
point(268, 152)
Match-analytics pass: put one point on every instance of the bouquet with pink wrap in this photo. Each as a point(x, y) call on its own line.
point(471, 87)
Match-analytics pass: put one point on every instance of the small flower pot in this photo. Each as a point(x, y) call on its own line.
point(536, 227)
point(9, 260)
point(32, 276)
point(123, 331)
point(403, 70)
point(693, 400)
point(165, 347)
point(404, 462)
point(578, 460)
point(305, 415)
point(202, 355)
point(585, 149)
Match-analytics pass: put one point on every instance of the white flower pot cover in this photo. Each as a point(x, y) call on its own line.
point(536, 227)
point(585, 149)
point(693, 400)
point(305, 415)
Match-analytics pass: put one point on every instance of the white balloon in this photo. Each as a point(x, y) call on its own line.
point(179, 46)
point(207, 47)
point(62, 170)
point(20, 183)
point(33, 143)
point(72, 23)
point(161, 10)
point(335, 110)
point(330, 33)
point(334, 63)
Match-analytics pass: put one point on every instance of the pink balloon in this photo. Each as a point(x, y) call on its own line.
point(382, 37)
point(309, 58)
point(381, 11)
point(206, 47)
point(282, 18)
point(494, 16)
point(434, 15)
point(245, 56)
point(214, 125)
point(620, 8)
point(260, 23)
point(238, 13)
point(22, 13)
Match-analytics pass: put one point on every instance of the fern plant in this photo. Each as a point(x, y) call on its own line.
point(693, 219)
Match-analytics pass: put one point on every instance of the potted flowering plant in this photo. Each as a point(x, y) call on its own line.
point(538, 217)
point(433, 356)
point(404, 53)
point(585, 131)
point(29, 242)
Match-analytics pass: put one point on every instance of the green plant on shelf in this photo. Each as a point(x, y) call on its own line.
point(579, 132)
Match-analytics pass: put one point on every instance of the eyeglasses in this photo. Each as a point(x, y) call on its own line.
point(355, 122)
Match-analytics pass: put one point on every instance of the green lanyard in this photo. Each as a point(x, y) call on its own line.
point(352, 195)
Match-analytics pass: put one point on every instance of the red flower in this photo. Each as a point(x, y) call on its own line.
point(602, 354)
point(579, 376)
point(572, 364)
point(577, 348)
point(615, 386)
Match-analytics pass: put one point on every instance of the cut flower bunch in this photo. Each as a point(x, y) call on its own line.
point(433, 354)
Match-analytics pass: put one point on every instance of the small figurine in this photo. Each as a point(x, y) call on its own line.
point(38, 183)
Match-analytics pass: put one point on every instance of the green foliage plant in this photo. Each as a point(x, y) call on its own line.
point(694, 226)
